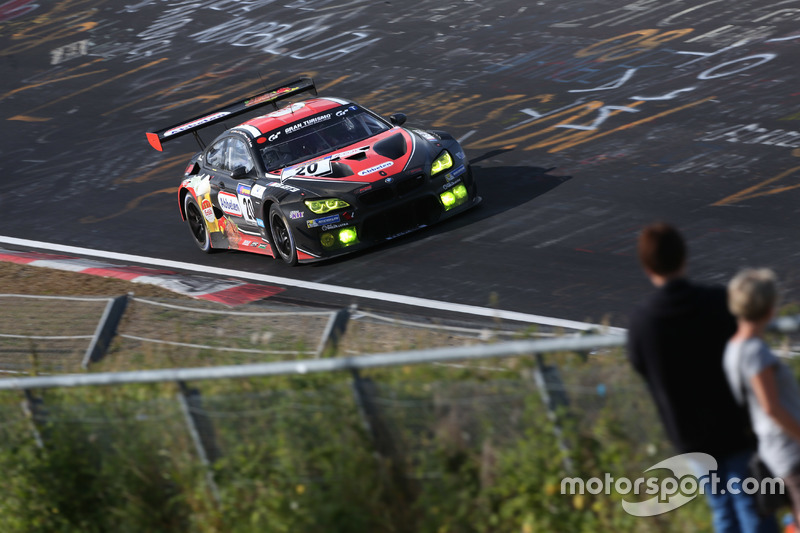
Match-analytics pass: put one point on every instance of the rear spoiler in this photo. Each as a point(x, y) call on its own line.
point(272, 96)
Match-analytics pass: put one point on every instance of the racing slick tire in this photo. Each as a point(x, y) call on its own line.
point(196, 223)
point(282, 238)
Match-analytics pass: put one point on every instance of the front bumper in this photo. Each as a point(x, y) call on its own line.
point(379, 214)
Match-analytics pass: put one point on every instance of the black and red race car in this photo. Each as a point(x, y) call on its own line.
point(316, 178)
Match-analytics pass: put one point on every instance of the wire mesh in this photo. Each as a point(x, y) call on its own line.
point(162, 333)
point(46, 333)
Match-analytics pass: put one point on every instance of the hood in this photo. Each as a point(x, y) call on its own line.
point(366, 162)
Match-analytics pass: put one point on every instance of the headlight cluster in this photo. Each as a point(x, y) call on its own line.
point(339, 237)
point(441, 163)
point(325, 205)
point(454, 197)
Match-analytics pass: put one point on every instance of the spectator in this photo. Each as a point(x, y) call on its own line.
point(676, 341)
point(758, 379)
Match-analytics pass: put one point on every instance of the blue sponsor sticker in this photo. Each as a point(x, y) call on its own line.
point(323, 221)
point(243, 189)
point(457, 172)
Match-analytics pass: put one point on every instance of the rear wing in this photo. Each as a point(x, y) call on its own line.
point(272, 96)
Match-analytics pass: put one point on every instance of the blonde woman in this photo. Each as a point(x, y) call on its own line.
point(756, 376)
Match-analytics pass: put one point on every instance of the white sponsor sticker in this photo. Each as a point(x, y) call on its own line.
point(376, 168)
point(258, 191)
point(229, 203)
point(198, 122)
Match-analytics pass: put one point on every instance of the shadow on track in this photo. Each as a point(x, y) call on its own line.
point(502, 189)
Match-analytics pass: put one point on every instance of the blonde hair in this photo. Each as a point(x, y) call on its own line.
point(753, 294)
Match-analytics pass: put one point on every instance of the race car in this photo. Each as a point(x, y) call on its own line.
point(316, 178)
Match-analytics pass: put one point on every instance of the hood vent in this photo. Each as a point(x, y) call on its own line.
point(393, 147)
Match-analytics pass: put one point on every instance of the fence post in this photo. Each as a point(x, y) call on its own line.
point(554, 396)
point(334, 331)
point(382, 439)
point(202, 432)
point(106, 329)
point(34, 410)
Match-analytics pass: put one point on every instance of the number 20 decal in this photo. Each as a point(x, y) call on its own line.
point(248, 212)
point(315, 168)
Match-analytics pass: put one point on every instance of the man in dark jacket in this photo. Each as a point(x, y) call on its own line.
point(676, 340)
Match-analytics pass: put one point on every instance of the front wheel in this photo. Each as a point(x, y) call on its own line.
point(282, 238)
point(194, 218)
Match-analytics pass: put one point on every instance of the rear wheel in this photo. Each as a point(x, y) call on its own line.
point(194, 218)
point(282, 238)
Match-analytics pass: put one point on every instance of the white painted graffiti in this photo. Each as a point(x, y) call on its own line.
point(325, 36)
point(754, 134)
point(69, 51)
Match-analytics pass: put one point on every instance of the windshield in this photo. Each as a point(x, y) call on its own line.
point(319, 134)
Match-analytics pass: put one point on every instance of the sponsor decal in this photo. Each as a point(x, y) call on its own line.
point(287, 110)
point(329, 227)
point(343, 112)
point(456, 173)
point(243, 189)
point(460, 155)
point(260, 222)
point(200, 184)
point(195, 123)
point(376, 168)
point(189, 168)
point(208, 210)
point(283, 186)
point(229, 203)
point(258, 191)
point(268, 96)
point(427, 136)
point(308, 122)
point(294, 215)
point(450, 185)
point(364, 189)
point(319, 167)
point(246, 242)
point(317, 222)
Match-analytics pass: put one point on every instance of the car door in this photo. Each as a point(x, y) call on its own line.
point(232, 175)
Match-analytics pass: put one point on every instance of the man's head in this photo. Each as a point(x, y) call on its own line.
point(753, 294)
point(662, 252)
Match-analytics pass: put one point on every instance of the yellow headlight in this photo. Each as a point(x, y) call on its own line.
point(326, 205)
point(443, 162)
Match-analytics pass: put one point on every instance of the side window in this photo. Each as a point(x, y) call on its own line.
point(215, 156)
point(239, 155)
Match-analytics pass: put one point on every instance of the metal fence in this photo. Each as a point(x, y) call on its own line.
point(486, 405)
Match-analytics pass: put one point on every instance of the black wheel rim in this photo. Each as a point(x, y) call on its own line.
point(283, 242)
point(195, 219)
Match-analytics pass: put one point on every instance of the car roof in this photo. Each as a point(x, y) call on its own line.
point(293, 112)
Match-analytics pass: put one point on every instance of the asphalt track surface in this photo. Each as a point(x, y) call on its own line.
point(584, 121)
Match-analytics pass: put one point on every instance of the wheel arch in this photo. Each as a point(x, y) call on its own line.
point(182, 201)
point(264, 215)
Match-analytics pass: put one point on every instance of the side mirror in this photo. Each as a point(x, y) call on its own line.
point(398, 119)
point(239, 173)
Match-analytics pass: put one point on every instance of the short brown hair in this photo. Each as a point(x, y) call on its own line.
point(662, 249)
point(753, 294)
